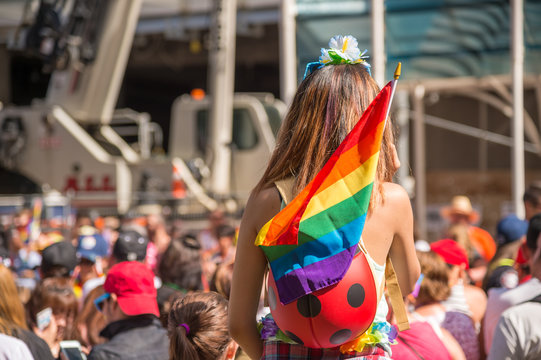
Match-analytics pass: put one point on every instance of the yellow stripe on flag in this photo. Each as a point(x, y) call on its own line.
point(263, 233)
point(343, 188)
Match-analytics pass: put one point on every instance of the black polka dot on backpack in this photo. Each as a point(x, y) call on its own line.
point(272, 299)
point(356, 295)
point(309, 305)
point(294, 337)
point(340, 337)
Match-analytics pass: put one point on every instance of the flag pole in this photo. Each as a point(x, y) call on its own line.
point(397, 73)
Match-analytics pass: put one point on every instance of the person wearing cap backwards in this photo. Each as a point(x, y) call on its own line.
point(58, 260)
point(518, 332)
point(511, 232)
point(130, 246)
point(130, 308)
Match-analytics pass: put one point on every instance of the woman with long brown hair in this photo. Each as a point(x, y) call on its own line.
point(12, 317)
point(327, 105)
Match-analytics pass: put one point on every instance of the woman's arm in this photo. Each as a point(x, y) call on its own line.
point(402, 250)
point(248, 273)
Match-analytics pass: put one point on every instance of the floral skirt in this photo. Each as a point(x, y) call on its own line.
point(278, 350)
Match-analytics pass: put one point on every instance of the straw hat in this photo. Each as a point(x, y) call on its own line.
point(460, 205)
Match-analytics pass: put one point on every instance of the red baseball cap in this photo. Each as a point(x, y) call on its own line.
point(133, 284)
point(451, 252)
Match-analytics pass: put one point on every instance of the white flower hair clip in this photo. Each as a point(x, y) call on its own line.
point(342, 50)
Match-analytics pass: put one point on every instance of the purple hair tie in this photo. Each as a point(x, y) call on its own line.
point(417, 287)
point(186, 327)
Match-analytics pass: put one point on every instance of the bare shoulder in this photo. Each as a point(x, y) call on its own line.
point(397, 208)
point(396, 198)
point(476, 297)
point(261, 207)
point(475, 293)
point(395, 192)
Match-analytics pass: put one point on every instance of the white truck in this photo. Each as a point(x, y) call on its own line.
point(74, 141)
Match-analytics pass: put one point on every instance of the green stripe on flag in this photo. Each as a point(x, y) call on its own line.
point(325, 222)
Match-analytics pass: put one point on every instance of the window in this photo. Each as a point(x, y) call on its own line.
point(244, 132)
point(275, 120)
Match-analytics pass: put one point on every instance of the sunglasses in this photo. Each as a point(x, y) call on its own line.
point(100, 300)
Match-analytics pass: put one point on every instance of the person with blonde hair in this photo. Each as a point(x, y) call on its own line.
point(327, 105)
point(13, 321)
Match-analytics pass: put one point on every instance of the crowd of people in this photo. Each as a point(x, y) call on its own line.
point(122, 288)
point(139, 288)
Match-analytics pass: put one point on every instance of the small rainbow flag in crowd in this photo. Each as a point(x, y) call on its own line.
point(311, 242)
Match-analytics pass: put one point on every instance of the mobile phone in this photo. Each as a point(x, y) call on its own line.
point(71, 349)
point(43, 318)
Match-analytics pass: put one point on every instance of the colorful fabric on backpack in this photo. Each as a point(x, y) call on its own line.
point(278, 350)
point(311, 242)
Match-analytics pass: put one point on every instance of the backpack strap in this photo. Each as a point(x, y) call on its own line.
point(397, 302)
point(285, 188)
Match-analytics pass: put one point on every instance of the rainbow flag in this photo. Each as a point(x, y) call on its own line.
point(311, 242)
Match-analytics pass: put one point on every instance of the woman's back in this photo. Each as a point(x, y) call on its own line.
point(313, 141)
point(391, 218)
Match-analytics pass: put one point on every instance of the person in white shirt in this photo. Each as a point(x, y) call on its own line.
point(500, 299)
point(13, 349)
point(518, 334)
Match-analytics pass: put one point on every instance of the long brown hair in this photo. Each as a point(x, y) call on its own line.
point(90, 321)
point(326, 106)
point(205, 315)
point(11, 308)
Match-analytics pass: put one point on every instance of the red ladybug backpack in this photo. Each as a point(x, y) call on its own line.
point(339, 313)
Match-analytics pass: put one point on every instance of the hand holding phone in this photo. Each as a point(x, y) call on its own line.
point(43, 318)
point(46, 327)
point(71, 350)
